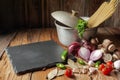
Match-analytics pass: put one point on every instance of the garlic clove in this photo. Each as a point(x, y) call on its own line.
point(91, 63)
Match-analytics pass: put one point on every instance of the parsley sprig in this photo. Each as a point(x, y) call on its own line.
point(81, 26)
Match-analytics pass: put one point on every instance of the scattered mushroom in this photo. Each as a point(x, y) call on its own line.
point(94, 41)
point(116, 55)
point(111, 48)
point(108, 45)
point(107, 57)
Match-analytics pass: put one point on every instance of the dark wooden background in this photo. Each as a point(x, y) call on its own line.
point(36, 13)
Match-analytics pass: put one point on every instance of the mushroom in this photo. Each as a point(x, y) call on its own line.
point(108, 45)
point(116, 55)
point(94, 41)
point(111, 48)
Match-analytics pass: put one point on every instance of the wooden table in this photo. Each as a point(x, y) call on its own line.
point(37, 35)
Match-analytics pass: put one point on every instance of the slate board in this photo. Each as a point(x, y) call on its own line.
point(34, 56)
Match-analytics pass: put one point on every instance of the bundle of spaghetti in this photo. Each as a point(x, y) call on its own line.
point(103, 13)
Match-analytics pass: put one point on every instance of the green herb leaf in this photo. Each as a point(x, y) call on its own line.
point(81, 25)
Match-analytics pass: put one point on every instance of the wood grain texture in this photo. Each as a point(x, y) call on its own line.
point(37, 13)
point(5, 40)
point(37, 35)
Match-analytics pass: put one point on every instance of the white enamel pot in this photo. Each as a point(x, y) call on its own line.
point(67, 35)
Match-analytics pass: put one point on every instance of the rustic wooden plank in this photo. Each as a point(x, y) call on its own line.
point(33, 35)
point(36, 35)
point(17, 41)
point(5, 40)
point(45, 34)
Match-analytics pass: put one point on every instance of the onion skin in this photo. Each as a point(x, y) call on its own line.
point(84, 53)
point(89, 46)
point(96, 55)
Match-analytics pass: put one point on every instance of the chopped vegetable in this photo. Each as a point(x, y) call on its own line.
point(61, 66)
point(97, 64)
point(96, 55)
point(69, 73)
point(107, 57)
point(101, 66)
point(73, 48)
point(64, 55)
point(81, 62)
point(84, 53)
point(105, 71)
point(81, 25)
point(109, 63)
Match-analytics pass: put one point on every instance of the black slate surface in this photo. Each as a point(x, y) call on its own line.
point(34, 56)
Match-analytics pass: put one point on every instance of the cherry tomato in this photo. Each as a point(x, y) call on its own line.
point(101, 66)
point(109, 63)
point(69, 73)
point(110, 68)
point(105, 71)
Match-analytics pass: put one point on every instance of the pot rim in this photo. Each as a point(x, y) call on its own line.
point(62, 27)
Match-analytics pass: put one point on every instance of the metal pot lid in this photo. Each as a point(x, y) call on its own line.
point(68, 19)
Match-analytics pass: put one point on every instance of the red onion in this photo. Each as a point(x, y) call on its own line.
point(95, 55)
point(73, 48)
point(90, 46)
point(84, 53)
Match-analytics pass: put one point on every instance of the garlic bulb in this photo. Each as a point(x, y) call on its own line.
point(117, 64)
